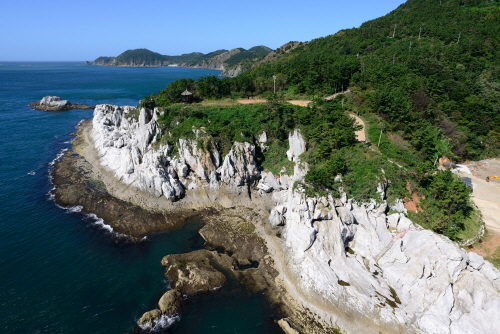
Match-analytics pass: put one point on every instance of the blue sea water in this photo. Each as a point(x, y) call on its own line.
point(60, 272)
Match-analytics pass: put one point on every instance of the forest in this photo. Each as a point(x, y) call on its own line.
point(426, 79)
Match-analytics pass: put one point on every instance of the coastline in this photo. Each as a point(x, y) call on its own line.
point(80, 180)
point(326, 262)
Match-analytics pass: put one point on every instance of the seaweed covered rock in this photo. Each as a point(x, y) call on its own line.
point(193, 272)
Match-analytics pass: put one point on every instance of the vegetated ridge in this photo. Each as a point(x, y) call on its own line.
point(232, 62)
point(425, 79)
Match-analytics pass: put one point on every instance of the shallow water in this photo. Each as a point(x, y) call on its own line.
point(60, 271)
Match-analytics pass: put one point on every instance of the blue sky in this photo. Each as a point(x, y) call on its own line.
point(84, 30)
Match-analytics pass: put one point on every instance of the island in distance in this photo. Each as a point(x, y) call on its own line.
point(54, 103)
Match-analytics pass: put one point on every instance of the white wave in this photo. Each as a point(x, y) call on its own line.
point(52, 197)
point(77, 208)
point(32, 172)
point(58, 156)
point(164, 322)
point(100, 222)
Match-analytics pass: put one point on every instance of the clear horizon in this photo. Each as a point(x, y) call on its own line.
point(58, 30)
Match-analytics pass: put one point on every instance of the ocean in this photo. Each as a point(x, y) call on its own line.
point(60, 270)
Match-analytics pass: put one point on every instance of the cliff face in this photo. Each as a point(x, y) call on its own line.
point(350, 263)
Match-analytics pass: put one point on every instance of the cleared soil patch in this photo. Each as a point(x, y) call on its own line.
point(486, 195)
point(251, 101)
point(360, 134)
point(303, 103)
point(489, 248)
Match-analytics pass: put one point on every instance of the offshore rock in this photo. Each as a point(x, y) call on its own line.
point(149, 317)
point(54, 103)
point(170, 302)
point(192, 273)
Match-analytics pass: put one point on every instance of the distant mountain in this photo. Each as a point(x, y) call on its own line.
point(231, 62)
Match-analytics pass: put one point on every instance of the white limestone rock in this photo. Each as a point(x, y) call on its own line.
point(297, 146)
point(54, 102)
point(423, 283)
point(346, 255)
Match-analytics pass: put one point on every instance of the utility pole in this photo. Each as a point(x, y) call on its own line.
point(380, 137)
point(420, 33)
point(274, 77)
point(459, 37)
point(409, 48)
point(394, 32)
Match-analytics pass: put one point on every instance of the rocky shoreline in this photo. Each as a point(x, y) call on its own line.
point(232, 242)
point(328, 262)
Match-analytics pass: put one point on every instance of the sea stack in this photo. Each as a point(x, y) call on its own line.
point(55, 103)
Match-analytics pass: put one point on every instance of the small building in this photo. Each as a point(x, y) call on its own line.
point(187, 96)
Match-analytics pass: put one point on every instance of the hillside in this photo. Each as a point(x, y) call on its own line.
point(232, 62)
point(430, 72)
point(425, 78)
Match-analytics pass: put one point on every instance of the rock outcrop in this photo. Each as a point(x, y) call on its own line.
point(194, 272)
point(383, 269)
point(127, 148)
point(54, 103)
point(350, 263)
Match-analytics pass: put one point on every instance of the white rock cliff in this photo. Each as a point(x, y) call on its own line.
point(352, 262)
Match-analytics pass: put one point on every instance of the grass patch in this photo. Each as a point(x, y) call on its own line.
point(472, 224)
point(495, 258)
point(218, 103)
point(98, 185)
point(274, 159)
point(133, 114)
point(246, 227)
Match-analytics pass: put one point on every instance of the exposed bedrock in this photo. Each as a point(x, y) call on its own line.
point(55, 103)
point(349, 263)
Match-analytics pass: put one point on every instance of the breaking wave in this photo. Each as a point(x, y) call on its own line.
point(58, 156)
point(164, 322)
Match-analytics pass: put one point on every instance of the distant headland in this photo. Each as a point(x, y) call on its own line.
point(231, 62)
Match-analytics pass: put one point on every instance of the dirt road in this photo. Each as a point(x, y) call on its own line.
point(486, 195)
point(360, 134)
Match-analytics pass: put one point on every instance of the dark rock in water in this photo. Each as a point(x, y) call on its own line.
point(54, 103)
point(194, 272)
point(170, 302)
point(149, 316)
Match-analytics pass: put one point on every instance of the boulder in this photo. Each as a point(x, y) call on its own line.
point(192, 273)
point(149, 317)
point(170, 302)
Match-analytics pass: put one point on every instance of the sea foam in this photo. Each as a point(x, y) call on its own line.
point(164, 322)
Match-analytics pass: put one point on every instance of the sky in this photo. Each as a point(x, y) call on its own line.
point(77, 30)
